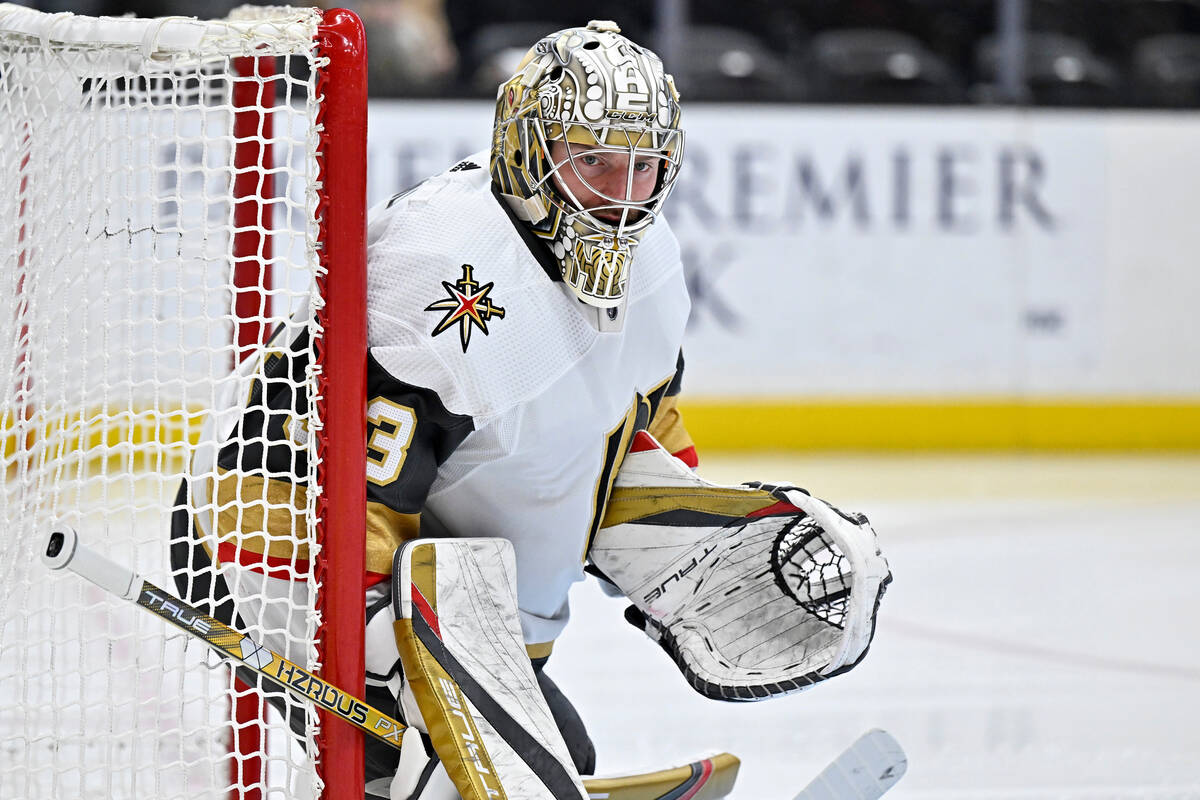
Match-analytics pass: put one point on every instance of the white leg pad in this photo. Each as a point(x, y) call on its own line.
point(465, 663)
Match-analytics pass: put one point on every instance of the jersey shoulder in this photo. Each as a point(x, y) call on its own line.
point(458, 303)
point(656, 260)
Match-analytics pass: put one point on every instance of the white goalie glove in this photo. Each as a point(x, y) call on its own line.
point(754, 590)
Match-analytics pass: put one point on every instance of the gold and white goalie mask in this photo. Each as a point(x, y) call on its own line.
point(586, 148)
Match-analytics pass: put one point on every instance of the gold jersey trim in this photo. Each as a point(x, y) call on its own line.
point(262, 515)
point(667, 426)
point(266, 516)
point(631, 503)
point(539, 650)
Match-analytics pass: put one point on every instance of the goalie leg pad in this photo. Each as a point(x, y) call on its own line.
point(466, 666)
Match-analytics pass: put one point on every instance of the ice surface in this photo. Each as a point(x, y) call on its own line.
point(1041, 638)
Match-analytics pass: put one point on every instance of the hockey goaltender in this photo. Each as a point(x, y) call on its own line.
point(525, 318)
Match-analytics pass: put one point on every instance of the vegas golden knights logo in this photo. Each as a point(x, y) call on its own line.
point(468, 306)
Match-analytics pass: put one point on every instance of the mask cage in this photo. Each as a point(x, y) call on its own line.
point(664, 144)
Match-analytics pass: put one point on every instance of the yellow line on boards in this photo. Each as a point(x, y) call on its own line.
point(959, 424)
point(96, 432)
point(989, 424)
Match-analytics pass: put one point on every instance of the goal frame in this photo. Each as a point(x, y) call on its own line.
point(341, 403)
point(342, 392)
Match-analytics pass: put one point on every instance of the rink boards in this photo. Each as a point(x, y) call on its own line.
point(929, 278)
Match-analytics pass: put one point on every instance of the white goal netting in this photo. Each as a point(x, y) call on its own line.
point(148, 170)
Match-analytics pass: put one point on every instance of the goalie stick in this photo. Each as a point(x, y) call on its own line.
point(864, 771)
point(709, 778)
point(65, 550)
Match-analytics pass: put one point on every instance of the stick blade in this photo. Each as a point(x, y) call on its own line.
point(864, 770)
point(709, 778)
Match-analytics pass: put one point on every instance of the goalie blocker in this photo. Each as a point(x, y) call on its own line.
point(754, 590)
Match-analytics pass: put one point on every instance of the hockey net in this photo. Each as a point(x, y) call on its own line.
point(169, 196)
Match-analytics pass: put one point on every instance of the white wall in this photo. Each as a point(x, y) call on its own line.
point(909, 252)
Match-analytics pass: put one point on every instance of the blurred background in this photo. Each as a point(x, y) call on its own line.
point(1090, 53)
point(911, 224)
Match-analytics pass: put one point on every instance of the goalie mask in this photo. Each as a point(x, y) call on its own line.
point(586, 148)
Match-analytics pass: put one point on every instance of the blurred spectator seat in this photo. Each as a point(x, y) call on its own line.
point(410, 46)
point(721, 63)
point(202, 9)
point(877, 65)
point(91, 8)
point(493, 52)
point(714, 62)
point(1060, 70)
point(1166, 71)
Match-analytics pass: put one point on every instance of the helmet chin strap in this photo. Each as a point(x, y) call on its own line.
point(527, 209)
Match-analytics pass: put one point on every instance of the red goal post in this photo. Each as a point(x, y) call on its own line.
point(171, 191)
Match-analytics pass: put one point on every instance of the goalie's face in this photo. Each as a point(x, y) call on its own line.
point(608, 184)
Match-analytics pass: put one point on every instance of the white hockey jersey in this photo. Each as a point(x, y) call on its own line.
point(465, 317)
point(497, 403)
